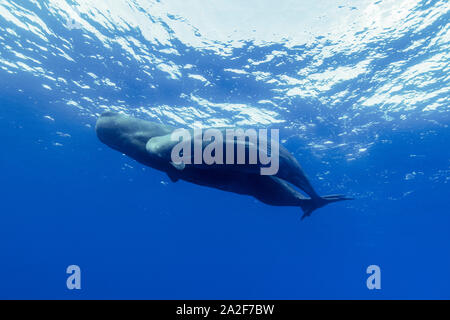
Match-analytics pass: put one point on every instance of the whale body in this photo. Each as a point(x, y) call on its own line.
point(289, 168)
point(136, 138)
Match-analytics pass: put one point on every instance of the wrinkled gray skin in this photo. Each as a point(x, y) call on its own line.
point(130, 136)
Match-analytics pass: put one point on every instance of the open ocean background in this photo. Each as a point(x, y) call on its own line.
point(359, 89)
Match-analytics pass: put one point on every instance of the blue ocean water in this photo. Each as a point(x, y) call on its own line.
point(358, 89)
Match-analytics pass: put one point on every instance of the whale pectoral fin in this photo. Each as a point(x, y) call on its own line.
point(172, 176)
point(178, 166)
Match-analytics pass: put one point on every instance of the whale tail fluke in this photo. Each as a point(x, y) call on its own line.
point(309, 205)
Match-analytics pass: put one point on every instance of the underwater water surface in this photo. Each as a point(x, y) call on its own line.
point(359, 90)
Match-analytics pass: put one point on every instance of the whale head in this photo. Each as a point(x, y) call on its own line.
point(127, 134)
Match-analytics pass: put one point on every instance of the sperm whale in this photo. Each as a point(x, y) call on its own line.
point(136, 138)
